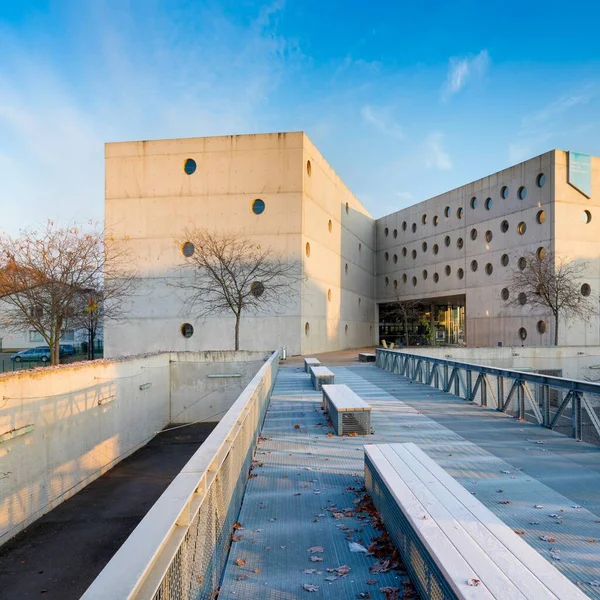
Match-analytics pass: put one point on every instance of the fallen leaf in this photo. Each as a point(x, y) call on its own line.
point(474, 582)
point(363, 595)
point(329, 435)
point(355, 547)
point(240, 562)
point(555, 553)
point(316, 558)
point(547, 538)
point(390, 593)
point(296, 426)
point(309, 587)
point(539, 506)
point(504, 502)
point(241, 578)
point(330, 578)
point(236, 538)
point(309, 571)
point(519, 532)
point(256, 571)
point(237, 525)
point(315, 549)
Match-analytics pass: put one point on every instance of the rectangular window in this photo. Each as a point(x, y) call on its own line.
point(34, 336)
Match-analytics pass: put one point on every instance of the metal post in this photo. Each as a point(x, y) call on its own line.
point(445, 377)
point(521, 398)
point(576, 416)
point(545, 397)
point(457, 383)
point(500, 385)
point(483, 388)
point(469, 390)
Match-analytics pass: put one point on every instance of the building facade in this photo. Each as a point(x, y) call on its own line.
point(453, 254)
point(275, 189)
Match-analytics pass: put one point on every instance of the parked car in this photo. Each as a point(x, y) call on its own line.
point(41, 354)
point(67, 350)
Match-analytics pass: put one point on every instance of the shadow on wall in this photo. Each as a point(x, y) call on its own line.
point(62, 427)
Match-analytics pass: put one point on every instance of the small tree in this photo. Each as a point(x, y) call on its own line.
point(404, 311)
point(46, 276)
point(551, 282)
point(226, 273)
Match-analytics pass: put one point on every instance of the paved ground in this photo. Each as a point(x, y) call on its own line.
point(62, 552)
point(303, 473)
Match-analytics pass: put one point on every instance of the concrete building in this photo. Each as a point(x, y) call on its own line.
point(457, 251)
point(454, 253)
point(276, 189)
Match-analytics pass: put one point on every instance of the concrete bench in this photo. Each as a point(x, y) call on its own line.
point(311, 362)
point(321, 375)
point(452, 545)
point(366, 357)
point(348, 412)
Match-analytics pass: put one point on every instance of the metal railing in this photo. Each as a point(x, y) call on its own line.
point(529, 396)
point(179, 550)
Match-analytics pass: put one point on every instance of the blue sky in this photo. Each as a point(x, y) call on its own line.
point(405, 100)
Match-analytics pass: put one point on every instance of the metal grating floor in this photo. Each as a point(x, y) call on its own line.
point(303, 472)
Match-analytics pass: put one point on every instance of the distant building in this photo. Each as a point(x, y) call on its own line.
point(455, 252)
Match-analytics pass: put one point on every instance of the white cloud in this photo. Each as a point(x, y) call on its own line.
point(463, 70)
point(382, 122)
point(435, 155)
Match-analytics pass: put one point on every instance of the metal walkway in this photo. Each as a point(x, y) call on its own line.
point(540, 483)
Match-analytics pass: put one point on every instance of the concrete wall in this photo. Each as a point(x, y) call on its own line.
point(62, 427)
point(151, 201)
point(338, 298)
point(576, 362)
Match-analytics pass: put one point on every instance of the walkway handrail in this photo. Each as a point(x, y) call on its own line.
point(447, 375)
point(178, 550)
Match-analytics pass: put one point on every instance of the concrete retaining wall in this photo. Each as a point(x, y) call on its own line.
point(575, 362)
point(62, 427)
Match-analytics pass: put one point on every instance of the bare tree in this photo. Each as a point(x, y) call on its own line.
point(549, 281)
point(227, 273)
point(46, 276)
point(404, 311)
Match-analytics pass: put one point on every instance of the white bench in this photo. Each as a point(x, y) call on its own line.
point(348, 412)
point(366, 357)
point(321, 375)
point(311, 362)
point(447, 538)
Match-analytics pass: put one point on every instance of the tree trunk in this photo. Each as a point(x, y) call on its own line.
point(556, 329)
point(92, 342)
point(237, 331)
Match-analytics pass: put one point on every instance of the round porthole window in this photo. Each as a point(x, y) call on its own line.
point(258, 207)
point(541, 327)
point(489, 268)
point(403, 251)
point(425, 274)
point(424, 219)
point(436, 277)
point(505, 294)
point(308, 168)
point(473, 202)
point(347, 208)
point(523, 333)
point(404, 225)
point(459, 212)
point(541, 216)
point(436, 220)
point(505, 260)
point(404, 277)
point(474, 265)
point(448, 270)
point(447, 241)
point(395, 284)
point(541, 253)
point(522, 263)
point(522, 193)
point(329, 295)
point(586, 217)
point(586, 290)
point(307, 249)
point(395, 258)
point(306, 328)
point(460, 243)
point(522, 298)
point(521, 227)
point(460, 273)
point(504, 226)
point(488, 236)
point(414, 254)
point(395, 233)
point(541, 180)
point(414, 227)
point(330, 225)
point(387, 256)
point(488, 204)
point(188, 249)
point(187, 330)
point(473, 234)
point(504, 192)
point(424, 246)
point(189, 166)
point(346, 330)
point(436, 248)
point(387, 281)
point(346, 268)
point(257, 289)
point(414, 281)
point(447, 211)
point(386, 231)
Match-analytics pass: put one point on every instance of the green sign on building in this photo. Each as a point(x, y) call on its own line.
point(580, 172)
